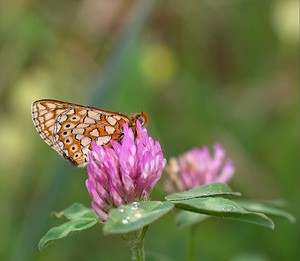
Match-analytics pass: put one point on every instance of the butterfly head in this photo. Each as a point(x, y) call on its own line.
point(141, 117)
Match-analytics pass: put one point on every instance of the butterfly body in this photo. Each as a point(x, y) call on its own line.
point(70, 128)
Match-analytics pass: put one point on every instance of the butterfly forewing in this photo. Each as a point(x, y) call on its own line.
point(70, 128)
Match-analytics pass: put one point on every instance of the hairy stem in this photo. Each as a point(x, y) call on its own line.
point(136, 244)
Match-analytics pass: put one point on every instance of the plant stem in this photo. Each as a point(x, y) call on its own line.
point(137, 246)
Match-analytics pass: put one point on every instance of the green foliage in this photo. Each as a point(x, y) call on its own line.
point(210, 190)
point(66, 229)
point(198, 204)
point(225, 208)
point(267, 208)
point(135, 216)
point(76, 211)
point(80, 218)
point(208, 200)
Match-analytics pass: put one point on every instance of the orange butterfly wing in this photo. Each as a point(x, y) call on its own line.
point(70, 128)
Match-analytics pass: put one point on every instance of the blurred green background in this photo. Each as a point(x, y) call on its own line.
point(205, 71)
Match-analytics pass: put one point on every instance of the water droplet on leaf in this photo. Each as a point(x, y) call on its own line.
point(134, 205)
point(228, 208)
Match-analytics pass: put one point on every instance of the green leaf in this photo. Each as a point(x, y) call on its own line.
point(80, 218)
point(186, 218)
point(225, 208)
point(134, 216)
point(210, 190)
point(266, 208)
point(65, 229)
point(76, 211)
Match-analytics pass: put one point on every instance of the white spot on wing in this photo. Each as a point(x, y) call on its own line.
point(94, 115)
point(51, 105)
point(51, 128)
point(41, 119)
point(111, 120)
point(48, 116)
point(78, 131)
point(70, 112)
point(61, 145)
point(85, 150)
point(110, 129)
point(62, 118)
point(94, 132)
point(79, 136)
point(56, 138)
point(59, 111)
point(49, 123)
point(89, 120)
point(103, 140)
point(42, 112)
point(85, 141)
point(57, 127)
point(40, 106)
point(82, 126)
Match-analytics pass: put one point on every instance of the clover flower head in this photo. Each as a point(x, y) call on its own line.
point(124, 172)
point(197, 167)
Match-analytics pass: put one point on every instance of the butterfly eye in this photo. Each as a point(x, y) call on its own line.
point(141, 119)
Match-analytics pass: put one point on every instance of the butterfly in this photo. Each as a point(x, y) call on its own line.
point(70, 128)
